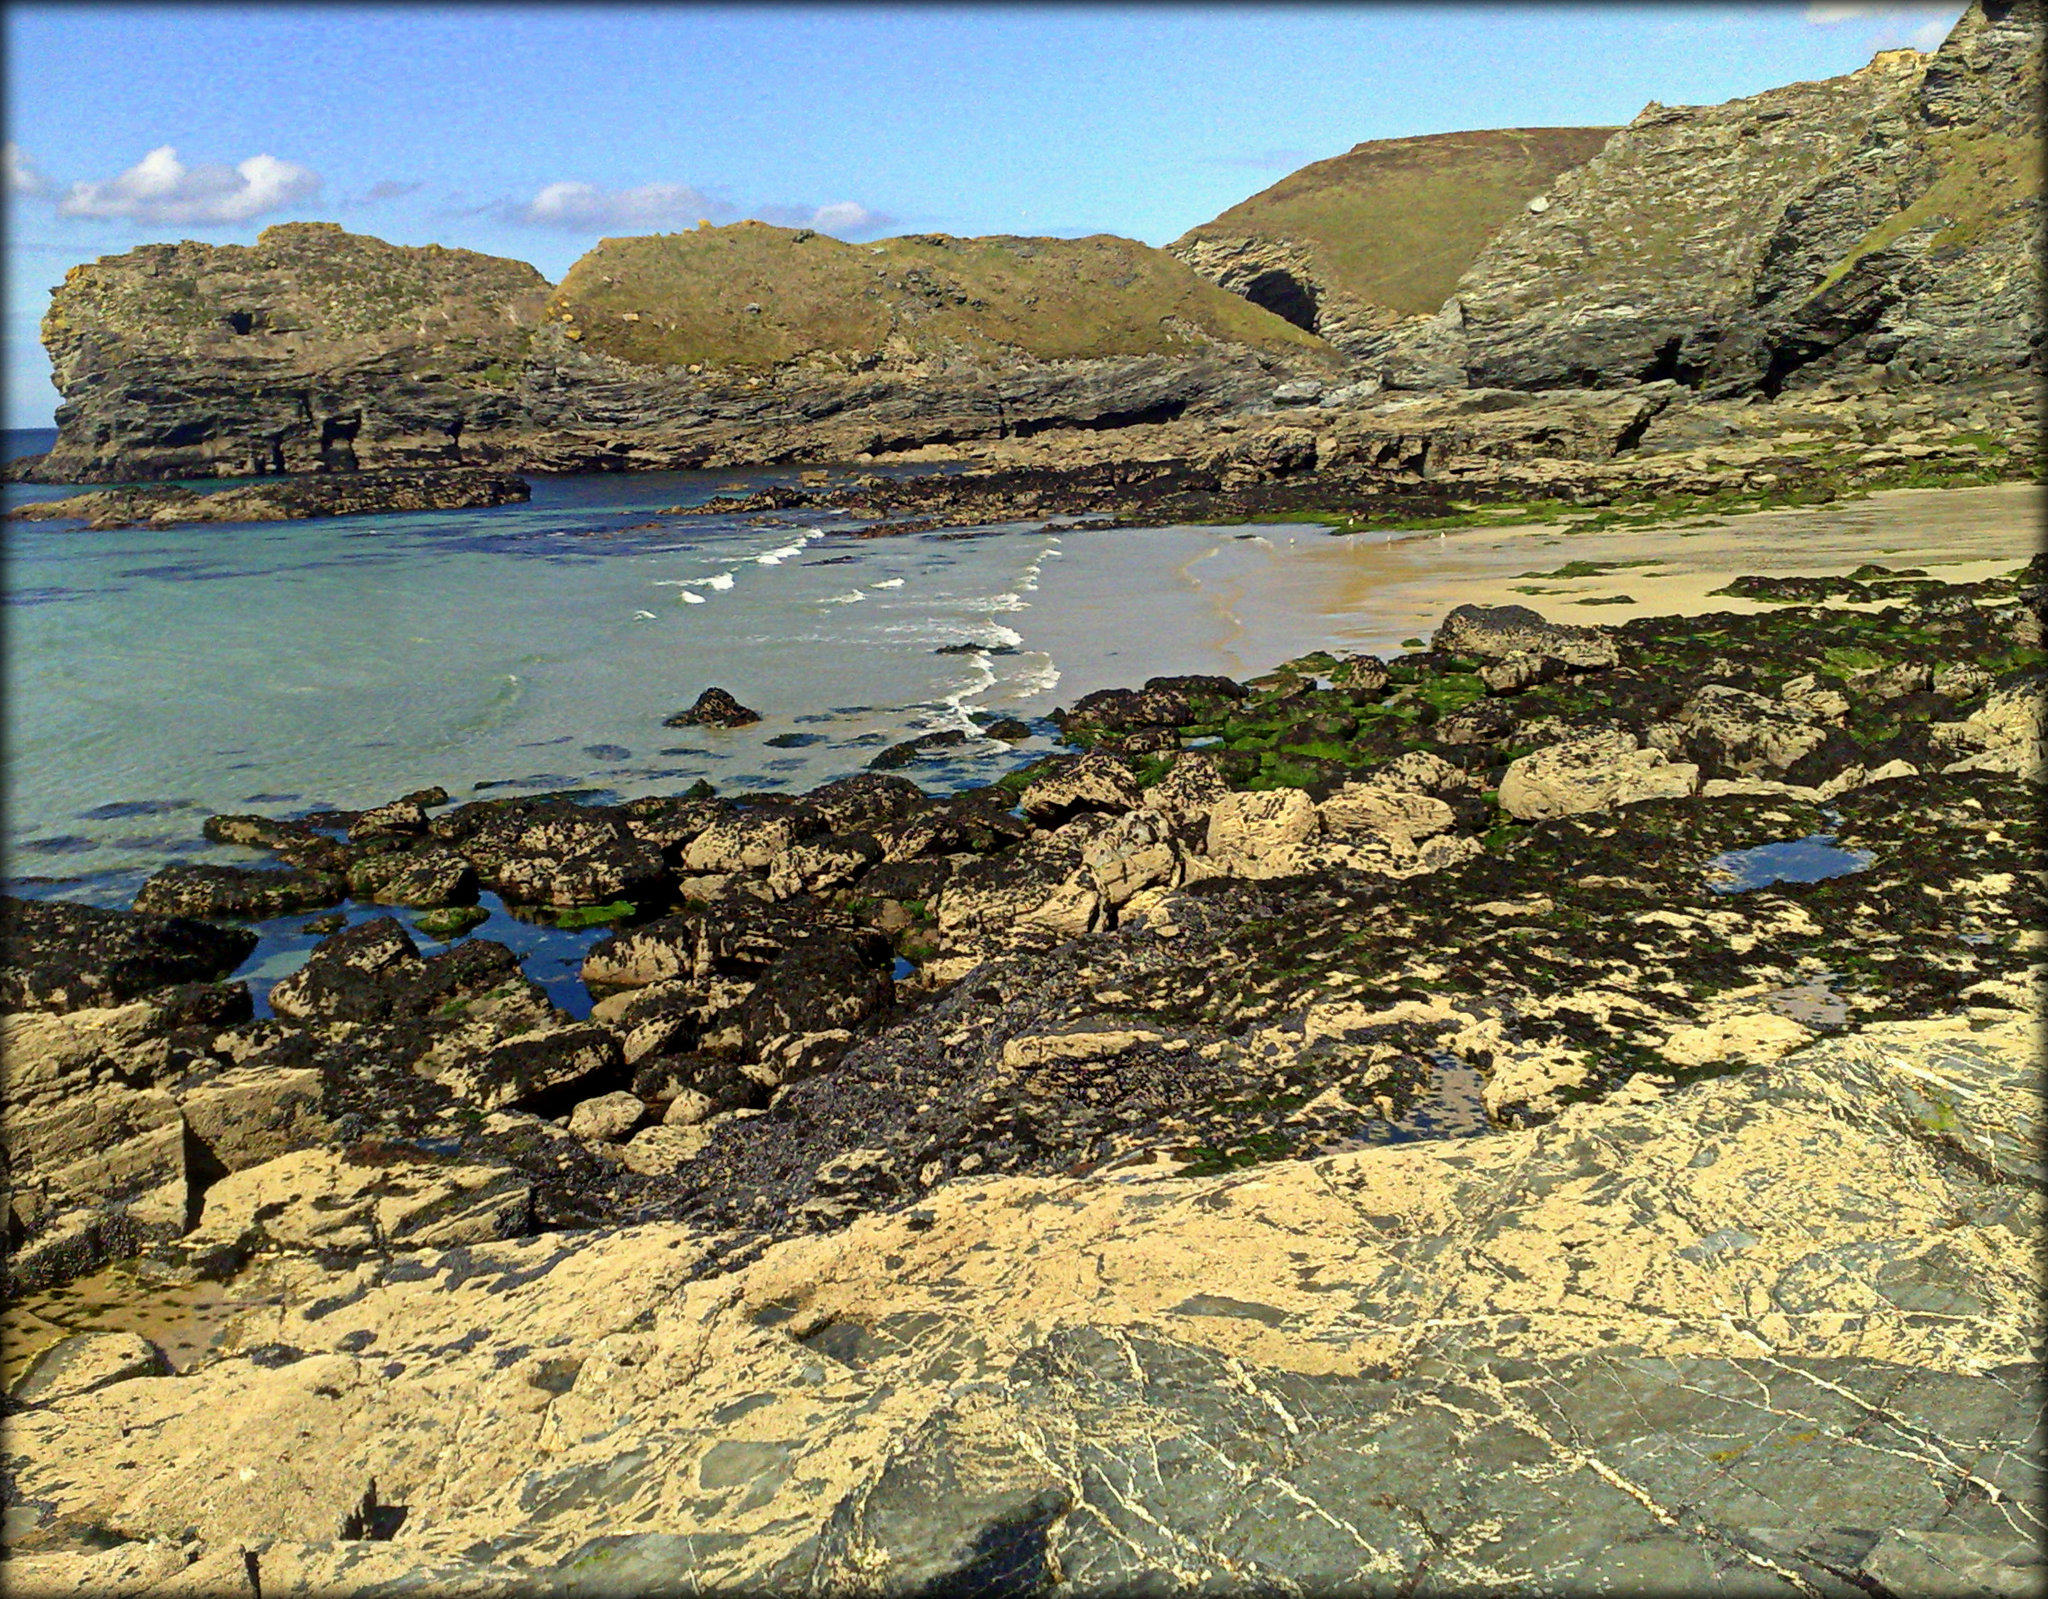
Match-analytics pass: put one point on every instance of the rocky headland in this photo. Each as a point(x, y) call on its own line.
point(1602, 1053)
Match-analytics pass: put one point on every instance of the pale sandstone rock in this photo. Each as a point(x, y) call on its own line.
point(248, 1115)
point(1190, 789)
point(1751, 1039)
point(1250, 834)
point(85, 1362)
point(1594, 772)
point(655, 1150)
point(606, 1119)
point(742, 843)
point(1491, 1310)
point(1371, 808)
point(1095, 782)
point(320, 1199)
point(1750, 735)
point(1037, 1049)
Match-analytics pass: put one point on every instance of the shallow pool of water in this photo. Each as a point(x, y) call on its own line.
point(1812, 859)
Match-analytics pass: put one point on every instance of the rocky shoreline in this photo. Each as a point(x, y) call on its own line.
point(285, 499)
point(1709, 895)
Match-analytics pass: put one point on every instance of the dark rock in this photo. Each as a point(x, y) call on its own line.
point(714, 708)
point(373, 972)
point(857, 803)
point(64, 957)
point(286, 499)
point(912, 750)
point(817, 984)
point(1491, 632)
point(1006, 728)
point(250, 893)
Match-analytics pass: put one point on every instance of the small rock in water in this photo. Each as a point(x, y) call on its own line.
point(1007, 728)
point(714, 708)
point(912, 748)
point(450, 921)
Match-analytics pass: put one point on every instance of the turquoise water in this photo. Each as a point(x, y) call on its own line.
point(156, 675)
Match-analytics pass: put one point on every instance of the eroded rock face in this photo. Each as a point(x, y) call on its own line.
point(1778, 239)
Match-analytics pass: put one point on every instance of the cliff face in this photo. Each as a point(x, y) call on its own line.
point(1891, 217)
point(317, 349)
point(313, 348)
point(1353, 246)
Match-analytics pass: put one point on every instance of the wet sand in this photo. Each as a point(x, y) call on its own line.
point(1124, 604)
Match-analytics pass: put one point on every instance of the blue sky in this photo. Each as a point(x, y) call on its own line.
point(532, 131)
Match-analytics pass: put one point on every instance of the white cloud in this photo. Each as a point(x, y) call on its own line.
point(585, 208)
point(22, 176)
point(161, 188)
point(1889, 22)
point(842, 218)
point(847, 216)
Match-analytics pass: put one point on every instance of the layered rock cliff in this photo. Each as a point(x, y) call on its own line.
point(317, 349)
point(1352, 247)
point(1888, 218)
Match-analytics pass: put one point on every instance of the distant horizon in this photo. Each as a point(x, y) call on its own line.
point(530, 133)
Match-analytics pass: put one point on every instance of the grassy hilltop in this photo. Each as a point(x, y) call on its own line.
point(754, 295)
point(1393, 222)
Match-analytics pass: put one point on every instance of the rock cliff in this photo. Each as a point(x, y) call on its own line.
point(320, 350)
point(1889, 218)
point(1353, 246)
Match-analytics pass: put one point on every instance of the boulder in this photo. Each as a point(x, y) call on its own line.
point(399, 819)
point(855, 804)
point(1498, 631)
point(1592, 772)
point(1261, 834)
point(244, 1116)
point(750, 840)
point(1094, 782)
point(513, 1071)
point(1391, 812)
point(608, 1119)
point(373, 972)
point(822, 864)
point(714, 708)
point(817, 985)
point(1190, 789)
point(1137, 851)
point(429, 878)
point(1733, 732)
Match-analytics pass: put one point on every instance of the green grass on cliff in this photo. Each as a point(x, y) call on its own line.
point(1984, 180)
point(753, 295)
point(298, 277)
point(1396, 221)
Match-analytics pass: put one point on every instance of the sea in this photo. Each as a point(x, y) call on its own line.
point(157, 675)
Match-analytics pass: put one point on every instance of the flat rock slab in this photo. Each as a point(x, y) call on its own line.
point(1773, 1332)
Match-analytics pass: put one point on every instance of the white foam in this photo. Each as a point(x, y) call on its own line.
point(888, 583)
point(644, 616)
point(692, 599)
point(843, 599)
point(719, 580)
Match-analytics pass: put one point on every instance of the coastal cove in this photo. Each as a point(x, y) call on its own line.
point(1355, 905)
